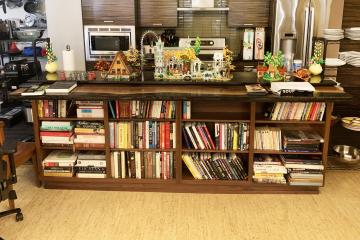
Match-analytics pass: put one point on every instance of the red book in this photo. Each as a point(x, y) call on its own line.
point(46, 108)
point(167, 135)
point(209, 137)
point(203, 137)
point(55, 134)
point(314, 112)
point(117, 109)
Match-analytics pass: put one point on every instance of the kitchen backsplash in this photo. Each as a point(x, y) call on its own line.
point(207, 24)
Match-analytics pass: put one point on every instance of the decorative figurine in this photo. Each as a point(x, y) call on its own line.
point(316, 61)
point(51, 65)
point(274, 62)
point(120, 68)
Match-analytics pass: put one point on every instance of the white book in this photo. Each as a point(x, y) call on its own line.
point(158, 165)
point(122, 162)
point(90, 112)
point(187, 128)
point(56, 123)
point(138, 165)
point(95, 163)
point(91, 175)
point(116, 164)
point(199, 140)
point(147, 134)
point(54, 141)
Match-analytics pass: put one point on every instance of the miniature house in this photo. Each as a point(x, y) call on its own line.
point(120, 66)
point(159, 58)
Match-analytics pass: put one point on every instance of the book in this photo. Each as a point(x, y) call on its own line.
point(35, 90)
point(61, 87)
point(255, 89)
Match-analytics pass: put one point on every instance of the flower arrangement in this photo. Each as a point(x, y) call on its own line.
point(316, 58)
point(228, 59)
point(133, 57)
point(50, 55)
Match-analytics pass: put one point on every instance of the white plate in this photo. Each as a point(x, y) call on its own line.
point(329, 30)
point(353, 29)
point(333, 38)
point(334, 62)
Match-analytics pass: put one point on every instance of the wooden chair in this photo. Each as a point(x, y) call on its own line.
point(24, 152)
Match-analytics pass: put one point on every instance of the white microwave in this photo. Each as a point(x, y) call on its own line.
point(106, 41)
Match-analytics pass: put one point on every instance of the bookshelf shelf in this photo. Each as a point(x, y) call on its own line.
point(214, 151)
point(202, 111)
point(143, 150)
point(285, 153)
point(215, 121)
point(72, 119)
point(289, 122)
point(142, 119)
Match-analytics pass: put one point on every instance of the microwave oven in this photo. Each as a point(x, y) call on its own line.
point(103, 42)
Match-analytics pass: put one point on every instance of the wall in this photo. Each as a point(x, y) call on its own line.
point(65, 27)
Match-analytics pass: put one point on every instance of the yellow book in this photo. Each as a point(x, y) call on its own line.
point(236, 138)
point(40, 108)
point(190, 165)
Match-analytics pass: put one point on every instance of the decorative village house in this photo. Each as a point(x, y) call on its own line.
point(159, 59)
point(120, 68)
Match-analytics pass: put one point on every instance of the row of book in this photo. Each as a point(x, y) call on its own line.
point(186, 110)
point(143, 135)
point(90, 109)
point(273, 138)
point(142, 109)
point(227, 136)
point(89, 164)
point(57, 88)
point(296, 170)
point(312, 111)
point(81, 133)
point(143, 165)
point(269, 169)
point(53, 108)
point(217, 166)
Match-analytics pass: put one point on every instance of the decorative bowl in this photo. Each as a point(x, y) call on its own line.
point(347, 154)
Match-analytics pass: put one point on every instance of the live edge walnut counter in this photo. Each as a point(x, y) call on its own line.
point(209, 104)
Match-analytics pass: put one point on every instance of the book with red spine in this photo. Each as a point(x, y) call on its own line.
point(55, 134)
point(203, 136)
point(213, 147)
point(117, 109)
point(167, 135)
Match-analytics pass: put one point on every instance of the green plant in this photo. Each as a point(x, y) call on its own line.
point(276, 60)
point(316, 58)
point(197, 46)
point(50, 55)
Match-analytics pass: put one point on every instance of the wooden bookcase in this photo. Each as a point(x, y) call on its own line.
point(209, 111)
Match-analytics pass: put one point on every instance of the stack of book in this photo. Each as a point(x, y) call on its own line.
point(89, 134)
point(56, 132)
point(313, 111)
point(219, 166)
point(90, 109)
point(304, 170)
point(186, 114)
point(268, 138)
point(35, 90)
point(53, 108)
point(91, 164)
point(143, 135)
point(301, 141)
point(269, 169)
point(59, 164)
point(142, 109)
point(61, 88)
point(228, 136)
point(143, 165)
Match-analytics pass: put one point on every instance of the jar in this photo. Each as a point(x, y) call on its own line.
point(297, 64)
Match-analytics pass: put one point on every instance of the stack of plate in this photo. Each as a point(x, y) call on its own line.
point(352, 33)
point(352, 58)
point(351, 123)
point(333, 34)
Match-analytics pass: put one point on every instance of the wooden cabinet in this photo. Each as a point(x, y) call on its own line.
point(244, 13)
point(99, 12)
point(158, 13)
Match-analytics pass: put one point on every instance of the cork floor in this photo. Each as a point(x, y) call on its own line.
point(65, 214)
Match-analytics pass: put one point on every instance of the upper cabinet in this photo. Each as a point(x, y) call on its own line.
point(244, 13)
point(158, 13)
point(100, 12)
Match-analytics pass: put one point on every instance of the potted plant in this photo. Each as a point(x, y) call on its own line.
point(51, 65)
point(275, 64)
point(316, 61)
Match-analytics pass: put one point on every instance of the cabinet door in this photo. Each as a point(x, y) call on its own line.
point(158, 13)
point(99, 12)
point(244, 13)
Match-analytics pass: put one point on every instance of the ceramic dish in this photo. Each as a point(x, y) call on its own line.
point(334, 62)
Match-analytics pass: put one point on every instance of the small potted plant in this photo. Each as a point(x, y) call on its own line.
point(316, 61)
point(275, 64)
point(51, 65)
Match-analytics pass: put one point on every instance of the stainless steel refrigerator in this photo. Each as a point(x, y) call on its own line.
point(296, 23)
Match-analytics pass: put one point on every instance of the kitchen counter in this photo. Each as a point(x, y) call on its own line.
point(239, 79)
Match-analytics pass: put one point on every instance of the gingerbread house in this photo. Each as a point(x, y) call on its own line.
point(120, 68)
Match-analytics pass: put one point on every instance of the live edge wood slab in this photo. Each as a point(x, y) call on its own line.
point(210, 104)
